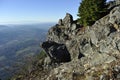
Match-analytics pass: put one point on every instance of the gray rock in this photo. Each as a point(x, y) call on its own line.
point(114, 15)
point(104, 47)
point(87, 50)
point(117, 68)
point(111, 4)
point(74, 26)
point(118, 45)
point(47, 61)
point(109, 40)
point(67, 21)
point(57, 52)
point(60, 22)
point(73, 48)
point(103, 77)
point(101, 59)
point(118, 76)
point(101, 35)
point(73, 33)
point(93, 38)
point(117, 2)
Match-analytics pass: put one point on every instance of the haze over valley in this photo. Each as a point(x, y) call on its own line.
point(18, 43)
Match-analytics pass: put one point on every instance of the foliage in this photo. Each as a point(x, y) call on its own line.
point(91, 10)
point(33, 63)
point(41, 55)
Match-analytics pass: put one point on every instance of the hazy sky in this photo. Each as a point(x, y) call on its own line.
point(25, 11)
point(35, 11)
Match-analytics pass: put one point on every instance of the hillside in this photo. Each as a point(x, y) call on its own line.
point(75, 52)
point(18, 43)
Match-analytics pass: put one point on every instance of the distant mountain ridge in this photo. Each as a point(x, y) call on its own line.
point(3, 27)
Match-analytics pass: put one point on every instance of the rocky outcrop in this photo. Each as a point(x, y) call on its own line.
point(117, 2)
point(89, 46)
point(88, 41)
point(67, 21)
point(112, 4)
point(64, 30)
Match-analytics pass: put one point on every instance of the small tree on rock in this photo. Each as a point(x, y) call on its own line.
point(91, 10)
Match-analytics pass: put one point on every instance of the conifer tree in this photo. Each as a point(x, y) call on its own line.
point(91, 10)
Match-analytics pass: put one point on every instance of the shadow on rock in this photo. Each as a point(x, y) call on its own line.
point(58, 53)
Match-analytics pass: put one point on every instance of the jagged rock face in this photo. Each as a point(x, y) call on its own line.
point(117, 2)
point(115, 17)
point(111, 4)
point(67, 20)
point(60, 22)
point(57, 52)
point(89, 41)
point(90, 46)
point(64, 30)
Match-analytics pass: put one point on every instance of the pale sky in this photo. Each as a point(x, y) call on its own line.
point(36, 11)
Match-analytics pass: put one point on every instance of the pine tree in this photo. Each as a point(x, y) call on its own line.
point(91, 10)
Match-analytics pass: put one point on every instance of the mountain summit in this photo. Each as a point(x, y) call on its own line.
point(93, 49)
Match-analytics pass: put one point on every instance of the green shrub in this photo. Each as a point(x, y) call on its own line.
point(91, 10)
point(41, 55)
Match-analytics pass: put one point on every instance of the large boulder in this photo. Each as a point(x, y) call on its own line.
point(117, 2)
point(118, 45)
point(67, 21)
point(57, 52)
point(60, 22)
point(111, 4)
point(114, 17)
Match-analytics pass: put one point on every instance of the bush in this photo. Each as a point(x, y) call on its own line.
point(41, 55)
point(91, 10)
point(32, 63)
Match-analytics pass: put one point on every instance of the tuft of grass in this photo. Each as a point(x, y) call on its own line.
point(41, 55)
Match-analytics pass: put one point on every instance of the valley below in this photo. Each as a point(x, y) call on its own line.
point(18, 44)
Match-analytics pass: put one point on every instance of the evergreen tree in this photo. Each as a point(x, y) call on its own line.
point(91, 10)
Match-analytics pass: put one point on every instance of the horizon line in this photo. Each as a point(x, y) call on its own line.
point(24, 23)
